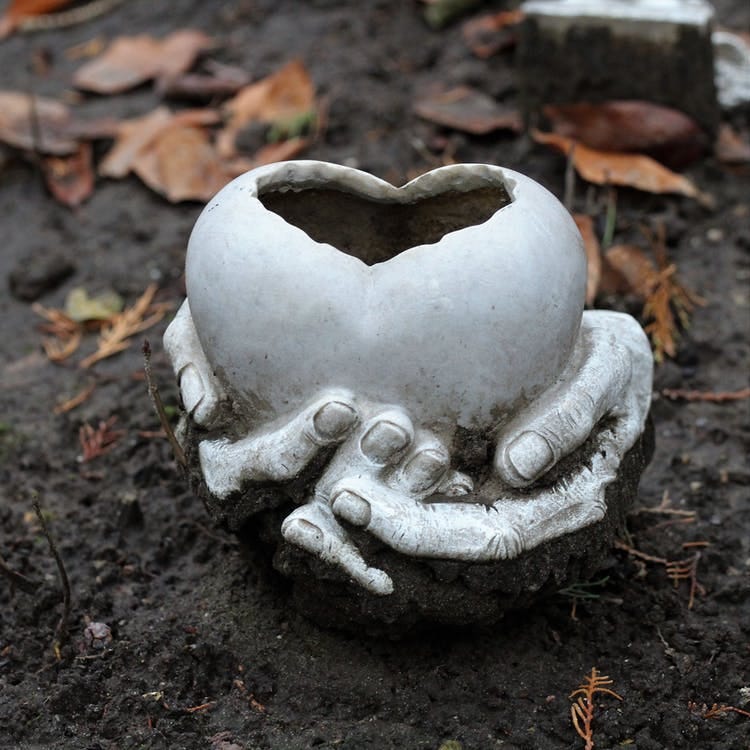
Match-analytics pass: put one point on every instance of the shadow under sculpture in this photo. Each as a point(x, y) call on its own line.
point(397, 388)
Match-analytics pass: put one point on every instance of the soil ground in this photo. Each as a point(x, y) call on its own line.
point(196, 620)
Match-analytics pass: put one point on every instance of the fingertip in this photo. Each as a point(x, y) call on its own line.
point(333, 420)
point(379, 582)
point(352, 508)
point(302, 533)
point(387, 436)
point(525, 459)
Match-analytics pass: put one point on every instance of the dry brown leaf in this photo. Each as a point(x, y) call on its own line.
point(730, 146)
point(663, 133)
point(616, 168)
point(70, 179)
point(18, 11)
point(35, 123)
point(284, 95)
point(634, 271)
point(281, 151)
point(131, 61)
point(138, 134)
point(593, 250)
point(466, 109)
point(489, 34)
point(667, 304)
point(182, 164)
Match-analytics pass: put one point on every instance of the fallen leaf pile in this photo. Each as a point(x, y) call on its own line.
point(186, 154)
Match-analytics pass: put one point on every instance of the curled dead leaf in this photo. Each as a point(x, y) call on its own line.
point(70, 178)
point(632, 271)
point(617, 168)
point(663, 133)
point(36, 123)
point(466, 109)
point(136, 135)
point(731, 147)
point(182, 164)
point(591, 245)
point(489, 34)
point(132, 60)
point(282, 96)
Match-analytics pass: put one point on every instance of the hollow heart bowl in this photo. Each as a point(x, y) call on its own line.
point(457, 296)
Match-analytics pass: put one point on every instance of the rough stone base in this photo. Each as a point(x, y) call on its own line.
point(425, 591)
point(590, 59)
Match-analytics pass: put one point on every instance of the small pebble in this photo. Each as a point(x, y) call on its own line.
point(38, 273)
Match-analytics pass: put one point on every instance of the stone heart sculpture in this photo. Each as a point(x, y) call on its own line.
point(458, 296)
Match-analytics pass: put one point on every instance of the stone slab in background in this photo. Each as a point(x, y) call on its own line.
point(598, 50)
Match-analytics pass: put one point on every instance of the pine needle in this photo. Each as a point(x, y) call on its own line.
point(121, 327)
point(582, 710)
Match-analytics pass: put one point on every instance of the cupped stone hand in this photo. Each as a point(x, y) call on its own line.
point(608, 376)
point(389, 455)
point(383, 477)
point(200, 390)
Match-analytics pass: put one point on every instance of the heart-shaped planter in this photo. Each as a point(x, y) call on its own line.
point(458, 296)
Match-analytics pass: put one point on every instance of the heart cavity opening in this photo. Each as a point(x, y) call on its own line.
point(376, 231)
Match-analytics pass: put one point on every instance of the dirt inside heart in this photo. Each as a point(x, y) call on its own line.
point(375, 232)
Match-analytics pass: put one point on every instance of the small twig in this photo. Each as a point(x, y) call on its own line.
point(67, 18)
point(153, 392)
point(633, 552)
point(611, 220)
point(716, 710)
point(720, 397)
point(61, 631)
point(687, 570)
point(19, 581)
point(77, 400)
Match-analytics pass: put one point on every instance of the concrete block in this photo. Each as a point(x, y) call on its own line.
point(598, 50)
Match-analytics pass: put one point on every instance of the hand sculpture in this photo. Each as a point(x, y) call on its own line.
point(386, 469)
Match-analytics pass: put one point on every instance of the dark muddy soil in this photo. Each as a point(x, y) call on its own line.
point(206, 650)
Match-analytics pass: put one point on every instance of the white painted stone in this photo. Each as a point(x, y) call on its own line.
point(482, 328)
point(458, 331)
point(663, 12)
point(732, 65)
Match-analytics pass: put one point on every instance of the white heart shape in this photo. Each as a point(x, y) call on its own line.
point(463, 330)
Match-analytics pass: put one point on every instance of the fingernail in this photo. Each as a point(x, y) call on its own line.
point(530, 455)
point(382, 440)
point(333, 420)
point(352, 508)
point(304, 534)
point(426, 468)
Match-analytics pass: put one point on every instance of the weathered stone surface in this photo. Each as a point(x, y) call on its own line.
point(579, 50)
point(428, 592)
